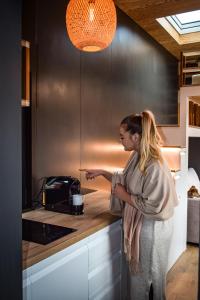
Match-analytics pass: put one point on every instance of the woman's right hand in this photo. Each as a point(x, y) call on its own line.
point(92, 173)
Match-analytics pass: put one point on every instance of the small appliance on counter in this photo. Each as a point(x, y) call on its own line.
point(58, 194)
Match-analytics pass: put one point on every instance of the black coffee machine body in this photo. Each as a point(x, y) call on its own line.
point(58, 191)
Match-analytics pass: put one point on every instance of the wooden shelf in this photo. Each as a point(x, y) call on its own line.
point(193, 126)
point(194, 114)
point(190, 84)
point(191, 70)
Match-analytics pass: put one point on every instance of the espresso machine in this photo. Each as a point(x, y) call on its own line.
point(58, 193)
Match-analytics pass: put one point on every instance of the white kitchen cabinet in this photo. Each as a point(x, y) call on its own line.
point(62, 276)
point(26, 285)
point(179, 236)
point(104, 250)
point(89, 269)
point(66, 278)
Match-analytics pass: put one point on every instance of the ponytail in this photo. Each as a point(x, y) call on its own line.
point(150, 140)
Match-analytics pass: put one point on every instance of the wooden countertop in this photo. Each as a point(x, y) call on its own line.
point(96, 216)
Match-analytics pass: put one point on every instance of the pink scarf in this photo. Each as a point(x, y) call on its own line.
point(132, 224)
point(132, 220)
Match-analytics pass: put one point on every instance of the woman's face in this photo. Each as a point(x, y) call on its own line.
point(129, 141)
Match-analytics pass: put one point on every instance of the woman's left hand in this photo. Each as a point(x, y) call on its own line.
point(120, 191)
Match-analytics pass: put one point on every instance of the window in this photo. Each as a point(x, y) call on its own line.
point(186, 22)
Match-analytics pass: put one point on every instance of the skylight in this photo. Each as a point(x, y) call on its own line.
point(188, 17)
point(186, 23)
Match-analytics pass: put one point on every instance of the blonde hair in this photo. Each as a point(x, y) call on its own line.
point(145, 125)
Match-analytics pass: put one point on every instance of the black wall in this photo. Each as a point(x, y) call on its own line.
point(10, 150)
point(193, 154)
point(79, 98)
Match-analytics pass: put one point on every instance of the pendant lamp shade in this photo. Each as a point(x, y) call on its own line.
point(91, 24)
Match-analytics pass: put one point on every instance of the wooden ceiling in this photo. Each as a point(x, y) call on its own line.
point(145, 13)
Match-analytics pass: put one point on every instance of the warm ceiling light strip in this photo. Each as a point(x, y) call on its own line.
point(91, 24)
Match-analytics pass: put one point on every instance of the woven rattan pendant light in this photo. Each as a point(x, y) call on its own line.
point(91, 24)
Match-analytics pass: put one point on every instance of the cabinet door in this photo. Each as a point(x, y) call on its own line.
point(178, 242)
point(104, 276)
point(26, 285)
point(64, 279)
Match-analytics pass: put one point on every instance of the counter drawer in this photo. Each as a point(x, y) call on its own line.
point(104, 245)
point(105, 280)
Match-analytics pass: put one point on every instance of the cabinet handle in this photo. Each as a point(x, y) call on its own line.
point(25, 102)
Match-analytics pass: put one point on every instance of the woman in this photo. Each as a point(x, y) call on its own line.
point(146, 194)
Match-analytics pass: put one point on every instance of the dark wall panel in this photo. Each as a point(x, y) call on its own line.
point(10, 150)
point(96, 110)
point(193, 155)
point(144, 74)
point(57, 137)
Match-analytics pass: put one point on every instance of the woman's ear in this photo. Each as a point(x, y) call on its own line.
point(135, 137)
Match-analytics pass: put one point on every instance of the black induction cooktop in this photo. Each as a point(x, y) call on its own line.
point(43, 233)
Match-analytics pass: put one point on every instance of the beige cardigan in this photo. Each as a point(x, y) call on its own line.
point(152, 193)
